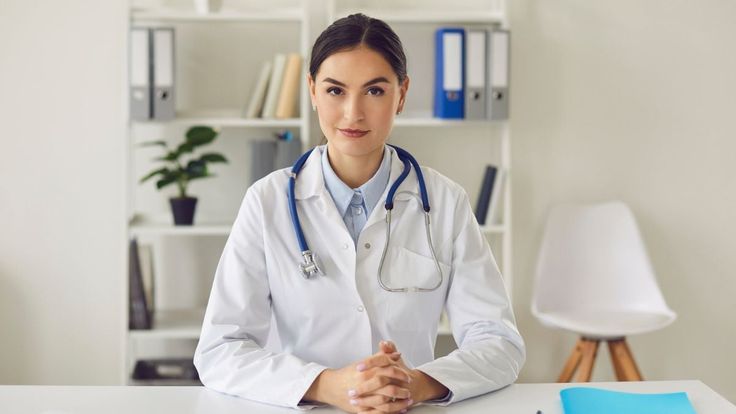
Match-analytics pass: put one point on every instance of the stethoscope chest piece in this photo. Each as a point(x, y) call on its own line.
point(309, 267)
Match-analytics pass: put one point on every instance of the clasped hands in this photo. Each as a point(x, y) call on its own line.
point(381, 383)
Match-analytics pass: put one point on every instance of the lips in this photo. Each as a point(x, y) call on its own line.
point(353, 133)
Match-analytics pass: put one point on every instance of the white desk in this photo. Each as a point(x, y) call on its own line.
point(515, 399)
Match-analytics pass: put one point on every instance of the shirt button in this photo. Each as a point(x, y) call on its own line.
point(359, 211)
point(361, 308)
point(367, 245)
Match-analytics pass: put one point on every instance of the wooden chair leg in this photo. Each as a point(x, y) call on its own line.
point(614, 348)
point(628, 365)
point(572, 362)
point(590, 350)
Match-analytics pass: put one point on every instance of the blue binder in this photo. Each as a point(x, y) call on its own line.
point(449, 84)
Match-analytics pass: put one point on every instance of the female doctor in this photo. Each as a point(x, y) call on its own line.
point(350, 257)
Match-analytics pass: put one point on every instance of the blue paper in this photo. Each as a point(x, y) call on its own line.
point(581, 400)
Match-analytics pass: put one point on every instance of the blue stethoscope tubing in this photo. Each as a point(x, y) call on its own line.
point(309, 266)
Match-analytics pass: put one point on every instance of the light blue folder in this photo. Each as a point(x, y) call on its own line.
point(581, 400)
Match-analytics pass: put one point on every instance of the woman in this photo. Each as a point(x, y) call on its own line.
point(356, 330)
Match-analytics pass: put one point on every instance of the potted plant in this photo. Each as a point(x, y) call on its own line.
point(181, 172)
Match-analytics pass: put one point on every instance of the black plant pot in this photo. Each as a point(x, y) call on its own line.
point(183, 209)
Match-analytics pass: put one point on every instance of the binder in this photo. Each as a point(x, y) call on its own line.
point(262, 158)
point(163, 74)
point(449, 99)
point(486, 192)
point(139, 315)
point(498, 97)
point(475, 74)
point(140, 74)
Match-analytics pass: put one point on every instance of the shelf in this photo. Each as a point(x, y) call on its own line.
point(174, 15)
point(139, 228)
point(429, 16)
point(172, 324)
point(225, 118)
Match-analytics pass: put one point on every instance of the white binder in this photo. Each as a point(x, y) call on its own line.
point(140, 75)
point(498, 98)
point(163, 74)
point(475, 74)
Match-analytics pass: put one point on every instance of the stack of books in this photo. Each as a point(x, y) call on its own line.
point(276, 91)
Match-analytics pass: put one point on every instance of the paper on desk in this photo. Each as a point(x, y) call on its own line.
point(582, 400)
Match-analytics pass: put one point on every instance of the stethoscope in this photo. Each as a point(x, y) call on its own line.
point(309, 266)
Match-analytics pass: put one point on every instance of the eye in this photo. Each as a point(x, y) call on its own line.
point(335, 91)
point(375, 91)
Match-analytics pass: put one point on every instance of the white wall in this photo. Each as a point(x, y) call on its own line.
point(62, 216)
point(633, 100)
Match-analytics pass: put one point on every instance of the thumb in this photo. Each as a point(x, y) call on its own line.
point(387, 347)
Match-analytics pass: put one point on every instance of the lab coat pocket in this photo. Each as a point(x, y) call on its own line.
point(412, 310)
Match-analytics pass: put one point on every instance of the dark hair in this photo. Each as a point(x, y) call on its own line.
point(356, 30)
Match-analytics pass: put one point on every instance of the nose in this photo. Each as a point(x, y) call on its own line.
point(353, 109)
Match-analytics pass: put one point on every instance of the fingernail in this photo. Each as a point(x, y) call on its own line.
point(403, 411)
point(360, 367)
point(352, 393)
point(353, 402)
point(411, 401)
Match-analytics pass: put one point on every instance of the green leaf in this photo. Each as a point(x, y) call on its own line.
point(200, 135)
point(196, 168)
point(153, 143)
point(165, 181)
point(163, 171)
point(184, 148)
point(213, 157)
point(171, 156)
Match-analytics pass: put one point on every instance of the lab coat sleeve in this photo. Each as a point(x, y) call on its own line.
point(490, 350)
point(230, 357)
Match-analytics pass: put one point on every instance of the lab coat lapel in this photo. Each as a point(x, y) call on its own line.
point(325, 225)
point(400, 200)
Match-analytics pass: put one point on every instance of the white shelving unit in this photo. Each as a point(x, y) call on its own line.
point(176, 326)
point(149, 219)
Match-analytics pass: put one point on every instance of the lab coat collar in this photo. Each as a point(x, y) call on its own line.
point(311, 181)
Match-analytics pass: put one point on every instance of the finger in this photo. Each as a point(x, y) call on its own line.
point(389, 393)
point(378, 360)
point(397, 406)
point(381, 378)
point(387, 347)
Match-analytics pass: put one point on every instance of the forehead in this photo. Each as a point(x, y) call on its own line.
point(359, 64)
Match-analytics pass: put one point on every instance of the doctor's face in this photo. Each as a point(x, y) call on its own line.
point(357, 95)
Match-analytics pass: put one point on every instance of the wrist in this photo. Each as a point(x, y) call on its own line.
point(317, 392)
point(425, 387)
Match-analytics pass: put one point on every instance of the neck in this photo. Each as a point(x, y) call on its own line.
point(354, 171)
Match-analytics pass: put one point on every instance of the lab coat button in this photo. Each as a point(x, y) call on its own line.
point(345, 246)
point(367, 245)
point(361, 308)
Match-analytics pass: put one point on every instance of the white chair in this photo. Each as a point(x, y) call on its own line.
point(594, 278)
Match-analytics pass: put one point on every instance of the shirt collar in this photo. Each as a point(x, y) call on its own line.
point(372, 190)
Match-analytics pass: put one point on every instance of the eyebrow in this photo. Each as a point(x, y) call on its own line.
point(370, 82)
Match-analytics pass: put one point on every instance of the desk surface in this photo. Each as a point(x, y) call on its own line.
point(517, 398)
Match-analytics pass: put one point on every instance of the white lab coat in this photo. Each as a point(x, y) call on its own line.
point(334, 320)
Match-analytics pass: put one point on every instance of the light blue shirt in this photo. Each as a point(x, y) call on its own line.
point(356, 204)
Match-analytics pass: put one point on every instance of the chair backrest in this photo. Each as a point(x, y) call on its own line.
point(593, 262)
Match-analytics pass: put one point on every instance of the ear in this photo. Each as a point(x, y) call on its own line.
point(312, 91)
point(403, 89)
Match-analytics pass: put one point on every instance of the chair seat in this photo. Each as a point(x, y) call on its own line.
point(607, 324)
